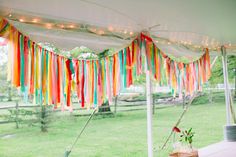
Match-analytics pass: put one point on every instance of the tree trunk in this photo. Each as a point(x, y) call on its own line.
point(116, 99)
point(9, 94)
point(104, 107)
point(43, 118)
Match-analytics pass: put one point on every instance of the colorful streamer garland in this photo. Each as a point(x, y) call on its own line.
point(52, 78)
point(187, 77)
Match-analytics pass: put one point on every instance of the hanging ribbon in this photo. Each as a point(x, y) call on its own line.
point(53, 78)
point(179, 76)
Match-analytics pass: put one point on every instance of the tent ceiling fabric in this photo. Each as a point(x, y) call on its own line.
point(67, 40)
point(199, 22)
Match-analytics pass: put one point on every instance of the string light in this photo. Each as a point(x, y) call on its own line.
point(101, 32)
point(213, 43)
point(110, 28)
point(93, 30)
point(21, 20)
point(72, 26)
point(49, 25)
point(35, 20)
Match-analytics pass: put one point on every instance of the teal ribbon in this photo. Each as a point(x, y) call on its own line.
point(121, 69)
point(152, 60)
point(95, 86)
point(110, 73)
point(22, 64)
point(72, 67)
point(85, 80)
point(47, 67)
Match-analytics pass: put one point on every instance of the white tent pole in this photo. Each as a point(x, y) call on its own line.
point(149, 110)
point(225, 71)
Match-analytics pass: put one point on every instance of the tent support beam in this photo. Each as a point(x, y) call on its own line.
point(226, 84)
point(149, 110)
point(149, 115)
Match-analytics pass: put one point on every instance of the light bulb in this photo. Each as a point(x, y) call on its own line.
point(35, 20)
point(101, 32)
point(72, 26)
point(110, 28)
point(21, 20)
point(49, 25)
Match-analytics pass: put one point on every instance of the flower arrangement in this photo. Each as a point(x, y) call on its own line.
point(183, 148)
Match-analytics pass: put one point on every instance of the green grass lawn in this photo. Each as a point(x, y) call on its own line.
point(121, 136)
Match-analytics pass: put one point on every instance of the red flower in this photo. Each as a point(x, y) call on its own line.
point(175, 129)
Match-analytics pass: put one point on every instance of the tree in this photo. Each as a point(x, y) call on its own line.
point(6, 87)
point(217, 70)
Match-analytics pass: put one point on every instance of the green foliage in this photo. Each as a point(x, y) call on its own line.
point(104, 107)
point(6, 89)
point(44, 117)
point(104, 54)
point(83, 53)
point(21, 116)
point(187, 136)
point(203, 98)
point(217, 70)
point(3, 55)
point(140, 80)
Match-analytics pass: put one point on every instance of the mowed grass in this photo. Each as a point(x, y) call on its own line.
point(123, 135)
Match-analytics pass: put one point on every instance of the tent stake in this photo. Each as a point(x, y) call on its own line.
point(225, 71)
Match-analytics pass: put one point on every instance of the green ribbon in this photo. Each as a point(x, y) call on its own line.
point(22, 64)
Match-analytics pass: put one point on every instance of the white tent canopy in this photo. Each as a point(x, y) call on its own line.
point(180, 28)
point(175, 25)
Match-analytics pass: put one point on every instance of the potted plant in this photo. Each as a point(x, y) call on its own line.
point(184, 148)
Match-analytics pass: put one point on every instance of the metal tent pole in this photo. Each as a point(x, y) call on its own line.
point(225, 71)
point(149, 110)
